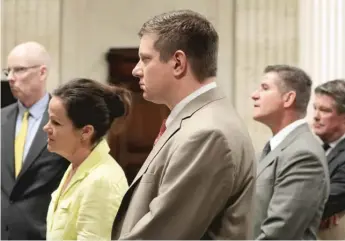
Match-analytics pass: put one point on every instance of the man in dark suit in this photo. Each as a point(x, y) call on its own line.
point(292, 183)
point(29, 172)
point(329, 125)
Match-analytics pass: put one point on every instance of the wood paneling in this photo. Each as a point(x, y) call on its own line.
point(131, 139)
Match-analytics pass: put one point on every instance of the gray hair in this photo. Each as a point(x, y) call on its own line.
point(336, 90)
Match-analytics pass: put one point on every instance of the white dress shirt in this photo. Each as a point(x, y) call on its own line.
point(334, 144)
point(283, 133)
point(177, 109)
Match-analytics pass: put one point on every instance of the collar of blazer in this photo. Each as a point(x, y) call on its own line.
point(187, 112)
point(10, 114)
point(340, 147)
point(268, 160)
point(99, 153)
point(39, 142)
point(8, 129)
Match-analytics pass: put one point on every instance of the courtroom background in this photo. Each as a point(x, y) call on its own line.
point(80, 35)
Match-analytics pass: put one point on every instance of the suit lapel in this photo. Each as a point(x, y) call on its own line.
point(95, 158)
point(8, 132)
point(77, 177)
point(266, 161)
point(39, 143)
point(57, 193)
point(175, 126)
point(187, 112)
point(340, 147)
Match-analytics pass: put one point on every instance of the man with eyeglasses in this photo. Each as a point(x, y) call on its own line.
point(29, 172)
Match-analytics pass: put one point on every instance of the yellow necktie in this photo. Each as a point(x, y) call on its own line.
point(19, 144)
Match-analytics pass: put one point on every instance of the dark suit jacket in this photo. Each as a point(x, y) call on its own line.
point(198, 180)
point(292, 187)
point(25, 200)
point(336, 166)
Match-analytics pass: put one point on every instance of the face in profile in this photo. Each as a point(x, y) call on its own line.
point(327, 122)
point(155, 75)
point(25, 78)
point(63, 138)
point(268, 99)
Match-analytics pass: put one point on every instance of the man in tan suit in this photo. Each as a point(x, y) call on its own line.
point(198, 180)
point(329, 125)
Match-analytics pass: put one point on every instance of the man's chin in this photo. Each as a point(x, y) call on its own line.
point(318, 132)
point(257, 117)
point(261, 119)
point(15, 93)
point(148, 98)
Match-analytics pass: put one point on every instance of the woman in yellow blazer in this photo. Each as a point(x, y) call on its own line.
point(85, 204)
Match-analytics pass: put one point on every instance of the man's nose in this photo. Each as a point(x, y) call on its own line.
point(137, 71)
point(255, 95)
point(316, 115)
point(10, 76)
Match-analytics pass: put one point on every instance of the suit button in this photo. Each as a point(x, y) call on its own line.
point(6, 228)
point(11, 202)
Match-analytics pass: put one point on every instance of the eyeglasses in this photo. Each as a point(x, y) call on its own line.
point(17, 70)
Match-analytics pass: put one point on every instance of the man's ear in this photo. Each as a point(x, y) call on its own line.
point(180, 63)
point(289, 98)
point(43, 72)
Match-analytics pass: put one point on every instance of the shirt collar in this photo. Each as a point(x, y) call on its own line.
point(334, 143)
point(283, 133)
point(99, 153)
point(37, 109)
point(177, 109)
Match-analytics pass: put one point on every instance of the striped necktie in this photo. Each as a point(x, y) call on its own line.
point(19, 144)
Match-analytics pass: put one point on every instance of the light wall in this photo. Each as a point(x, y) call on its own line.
point(78, 33)
point(322, 41)
point(266, 33)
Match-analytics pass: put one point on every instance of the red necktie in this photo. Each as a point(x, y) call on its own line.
point(161, 131)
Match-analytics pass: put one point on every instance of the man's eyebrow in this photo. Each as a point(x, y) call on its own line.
point(144, 55)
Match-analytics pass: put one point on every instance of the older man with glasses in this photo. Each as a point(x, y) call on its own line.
point(29, 173)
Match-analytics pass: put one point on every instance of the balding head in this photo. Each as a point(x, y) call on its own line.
point(32, 53)
point(28, 64)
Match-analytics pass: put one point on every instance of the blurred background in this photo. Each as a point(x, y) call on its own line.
point(98, 39)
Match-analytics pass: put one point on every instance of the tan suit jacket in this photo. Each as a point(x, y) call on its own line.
point(198, 180)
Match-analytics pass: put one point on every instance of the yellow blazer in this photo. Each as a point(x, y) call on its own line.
point(88, 206)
